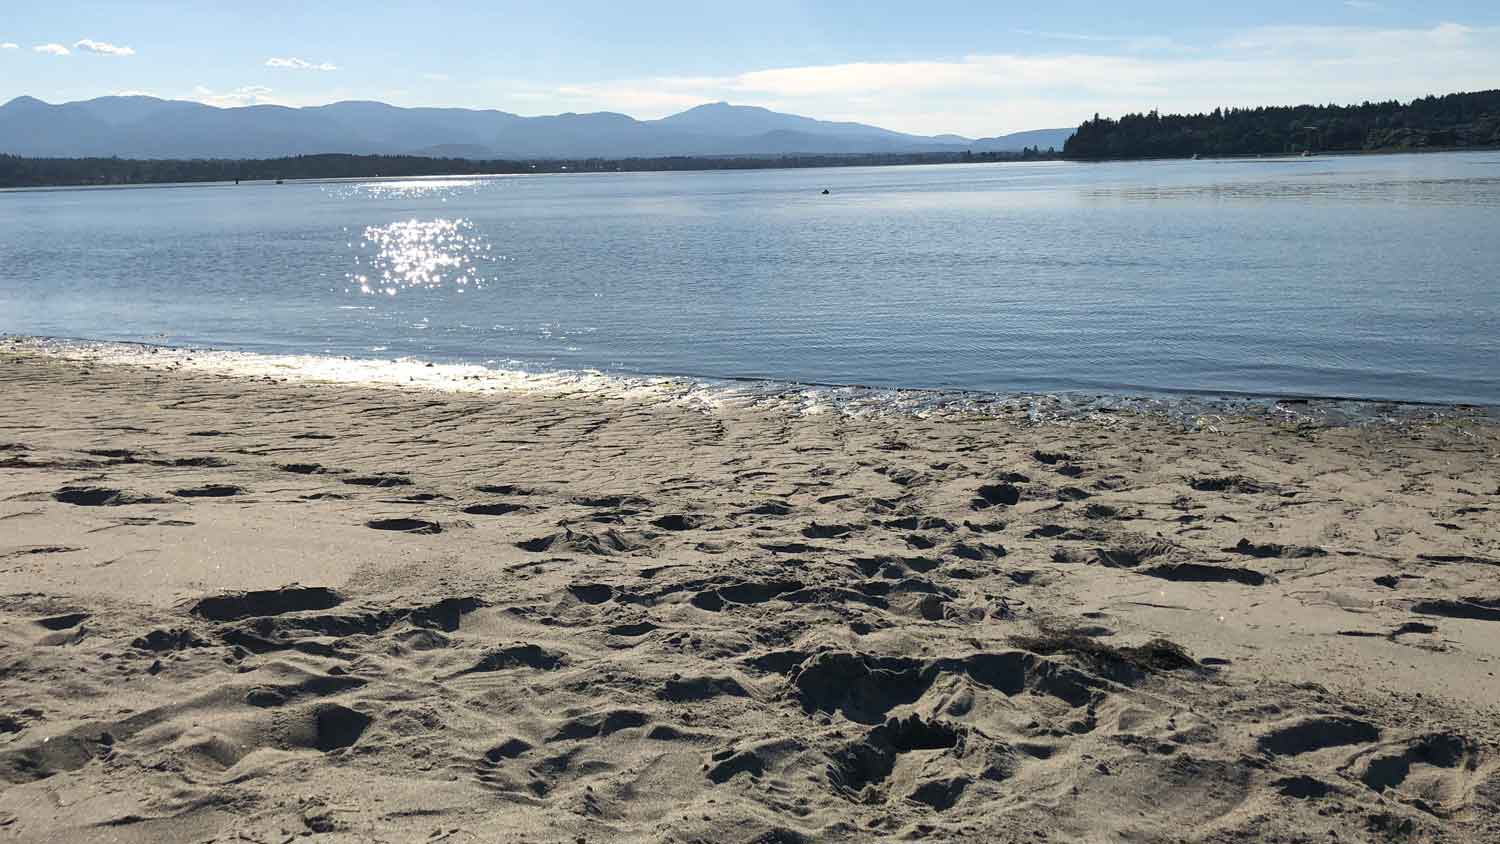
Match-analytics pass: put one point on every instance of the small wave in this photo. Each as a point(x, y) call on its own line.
point(1193, 411)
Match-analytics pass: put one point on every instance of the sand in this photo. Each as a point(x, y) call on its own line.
point(249, 609)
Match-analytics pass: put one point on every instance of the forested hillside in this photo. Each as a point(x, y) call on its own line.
point(1455, 120)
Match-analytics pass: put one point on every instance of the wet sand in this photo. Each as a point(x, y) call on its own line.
point(242, 609)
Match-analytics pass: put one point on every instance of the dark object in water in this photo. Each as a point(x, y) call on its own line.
point(825, 191)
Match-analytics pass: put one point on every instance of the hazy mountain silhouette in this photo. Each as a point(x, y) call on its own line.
point(147, 127)
point(1042, 139)
point(750, 121)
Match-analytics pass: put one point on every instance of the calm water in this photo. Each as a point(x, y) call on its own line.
point(1373, 277)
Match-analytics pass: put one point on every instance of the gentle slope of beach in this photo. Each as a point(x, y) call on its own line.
point(574, 616)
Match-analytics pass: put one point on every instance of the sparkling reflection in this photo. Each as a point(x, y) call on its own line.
point(407, 188)
point(415, 254)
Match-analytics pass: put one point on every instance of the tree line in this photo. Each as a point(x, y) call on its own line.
point(18, 172)
point(1454, 121)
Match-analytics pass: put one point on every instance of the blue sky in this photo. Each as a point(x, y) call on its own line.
point(975, 68)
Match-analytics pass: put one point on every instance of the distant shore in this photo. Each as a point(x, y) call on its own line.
point(1295, 156)
point(1465, 120)
point(21, 173)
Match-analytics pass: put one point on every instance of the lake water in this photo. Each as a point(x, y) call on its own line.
point(1373, 277)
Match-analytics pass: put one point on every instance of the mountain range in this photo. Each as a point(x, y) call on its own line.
point(147, 127)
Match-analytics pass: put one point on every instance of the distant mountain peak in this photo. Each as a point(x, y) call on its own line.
point(134, 98)
point(723, 107)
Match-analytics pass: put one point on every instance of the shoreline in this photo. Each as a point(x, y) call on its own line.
point(1184, 405)
point(247, 607)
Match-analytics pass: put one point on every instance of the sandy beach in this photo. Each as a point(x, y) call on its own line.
point(257, 609)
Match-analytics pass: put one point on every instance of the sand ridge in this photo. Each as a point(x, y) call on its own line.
point(236, 609)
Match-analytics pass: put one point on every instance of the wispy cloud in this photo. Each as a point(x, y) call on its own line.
point(1139, 43)
point(436, 77)
point(247, 95)
point(299, 64)
point(10, 45)
point(52, 49)
point(89, 45)
point(992, 93)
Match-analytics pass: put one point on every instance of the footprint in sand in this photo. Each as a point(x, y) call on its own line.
point(678, 522)
point(996, 495)
point(209, 491)
point(98, 496)
point(411, 526)
point(378, 481)
point(496, 509)
point(267, 602)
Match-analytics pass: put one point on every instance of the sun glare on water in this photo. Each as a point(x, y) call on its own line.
point(414, 187)
point(420, 254)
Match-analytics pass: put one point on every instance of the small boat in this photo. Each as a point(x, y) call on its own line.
point(281, 181)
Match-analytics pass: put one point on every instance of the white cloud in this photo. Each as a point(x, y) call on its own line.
point(10, 45)
point(52, 49)
point(436, 77)
point(247, 95)
point(89, 45)
point(299, 64)
point(982, 95)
